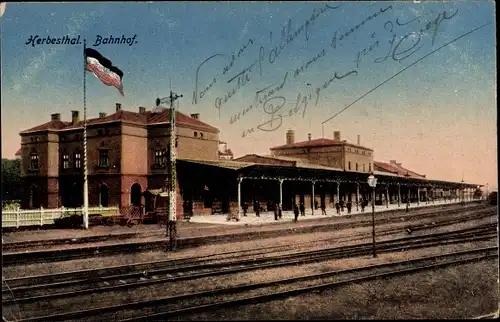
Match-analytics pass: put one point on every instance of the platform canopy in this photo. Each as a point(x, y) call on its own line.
point(313, 172)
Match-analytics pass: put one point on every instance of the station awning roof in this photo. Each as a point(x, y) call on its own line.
point(309, 172)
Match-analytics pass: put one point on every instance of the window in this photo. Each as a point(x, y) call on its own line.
point(201, 135)
point(103, 158)
point(363, 168)
point(65, 161)
point(77, 160)
point(357, 167)
point(34, 161)
point(369, 167)
point(160, 157)
point(349, 165)
point(195, 134)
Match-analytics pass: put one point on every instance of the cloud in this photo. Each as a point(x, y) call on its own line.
point(77, 23)
point(159, 16)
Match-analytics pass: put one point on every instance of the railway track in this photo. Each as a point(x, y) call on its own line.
point(262, 251)
point(24, 295)
point(10, 246)
point(256, 293)
point(28, 257)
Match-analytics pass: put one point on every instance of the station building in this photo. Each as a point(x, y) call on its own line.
point(127, 154)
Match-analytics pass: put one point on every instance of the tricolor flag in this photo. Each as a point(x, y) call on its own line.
point(103, 69)
point(2, 8)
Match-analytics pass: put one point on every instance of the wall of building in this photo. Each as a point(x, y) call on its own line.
point(203, 146)
point(114, 185)
point(112, 143)
point(330, 156)
point(188, 146)
point(359, 156)
point(52, 154)
point(69, 143)
point(134, 146)
point(35, 143)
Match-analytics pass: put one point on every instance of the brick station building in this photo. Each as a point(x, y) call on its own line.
point(127, 153)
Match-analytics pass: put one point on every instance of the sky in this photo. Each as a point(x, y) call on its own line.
point(416, 80)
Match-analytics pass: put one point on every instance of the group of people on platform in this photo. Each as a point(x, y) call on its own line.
point(300, 209)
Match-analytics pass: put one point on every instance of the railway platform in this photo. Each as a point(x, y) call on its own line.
point(287, 216)
point(199, 226)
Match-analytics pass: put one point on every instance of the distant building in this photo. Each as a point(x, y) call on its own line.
point(18, 154)
point(224, 152)
point(335, 153)
point(127, 152)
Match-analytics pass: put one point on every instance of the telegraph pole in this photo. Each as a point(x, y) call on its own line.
point(171, 177)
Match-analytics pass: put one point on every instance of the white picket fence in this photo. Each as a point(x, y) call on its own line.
point(39, 217)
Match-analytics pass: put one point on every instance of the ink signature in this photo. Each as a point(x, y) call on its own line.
point(273, 106)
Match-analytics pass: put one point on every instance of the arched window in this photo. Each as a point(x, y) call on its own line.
point(135, 194)
point(34, 201)
point(103, 195)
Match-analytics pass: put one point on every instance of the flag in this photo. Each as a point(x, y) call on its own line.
point(103, 69)
point(2, 8)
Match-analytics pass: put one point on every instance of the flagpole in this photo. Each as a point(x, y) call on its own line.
point(85, 180)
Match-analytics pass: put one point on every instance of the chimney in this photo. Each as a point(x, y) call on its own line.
point(142, 109)
point(118, 107)
point(196, 116)
point(102, 115)
point(336, 135)
point(309, 136)
point(75, 117)
point(290, 137)
point(359, 139)
point(55, 117)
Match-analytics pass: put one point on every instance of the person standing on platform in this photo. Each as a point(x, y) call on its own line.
point(337, 207)
point(245, 208)
point(256, 207)
point(323, 208)
point(276, 210)
point(302, 209)
point(362, 204)
point(349, 205)
point(296, 212)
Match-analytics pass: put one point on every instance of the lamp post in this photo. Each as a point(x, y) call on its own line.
point(372, 182)
point(462, 191)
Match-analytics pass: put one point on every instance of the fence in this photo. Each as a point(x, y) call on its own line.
point(39, 217)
